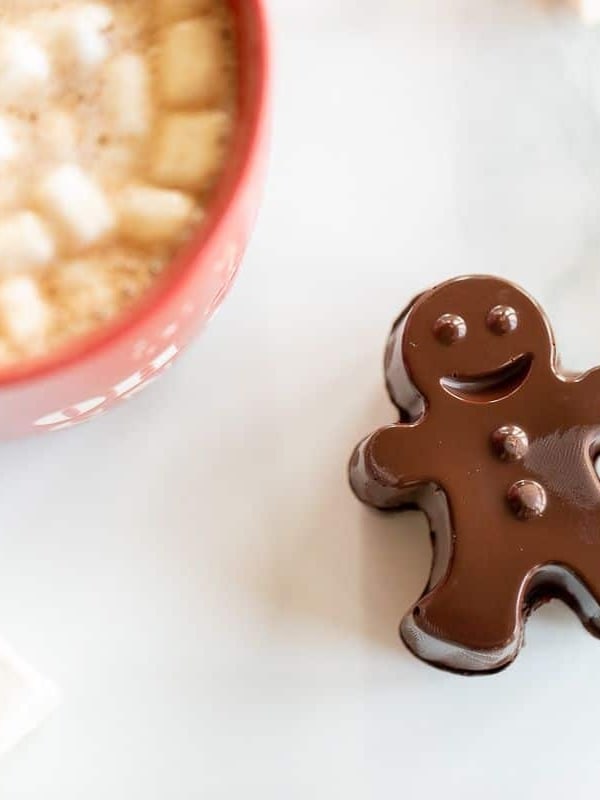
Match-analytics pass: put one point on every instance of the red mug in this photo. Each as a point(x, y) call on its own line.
point(91, 374)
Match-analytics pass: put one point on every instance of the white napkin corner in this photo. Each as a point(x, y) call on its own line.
point(27, 698)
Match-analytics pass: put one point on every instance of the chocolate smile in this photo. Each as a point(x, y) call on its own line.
point(488, 387)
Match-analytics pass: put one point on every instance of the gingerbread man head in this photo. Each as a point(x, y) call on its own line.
point(479, 338)
point(497, 449)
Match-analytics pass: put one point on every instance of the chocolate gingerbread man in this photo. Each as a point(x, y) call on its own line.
point(497, 447)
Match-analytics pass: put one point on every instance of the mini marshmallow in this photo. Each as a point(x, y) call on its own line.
point(24, 314)
point(176, 10)
point(191, 65)
point(126, 95)
point(148, 215)
point(188, 150)
point(25, 242)
point(24, 67)
point(76, 204)
point(97, 15)
point(79, 35)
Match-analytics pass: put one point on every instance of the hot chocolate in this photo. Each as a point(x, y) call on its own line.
point(114, 123)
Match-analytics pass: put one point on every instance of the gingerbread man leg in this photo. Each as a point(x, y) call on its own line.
point(389, 468)
point(470, 621)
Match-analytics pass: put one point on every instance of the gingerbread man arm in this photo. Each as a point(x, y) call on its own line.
point(585, 400)
point(389, 468)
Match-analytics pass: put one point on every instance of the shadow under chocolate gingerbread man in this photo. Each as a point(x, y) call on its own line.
point(497, 448)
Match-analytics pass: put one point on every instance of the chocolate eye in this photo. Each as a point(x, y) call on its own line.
point(502, 320)
point(450, 328)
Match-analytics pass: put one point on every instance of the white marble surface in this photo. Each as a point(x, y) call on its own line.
point(219, 611)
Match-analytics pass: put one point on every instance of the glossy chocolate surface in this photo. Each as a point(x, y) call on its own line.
point(497, 448)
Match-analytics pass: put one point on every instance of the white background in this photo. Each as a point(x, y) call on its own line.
point(192, 569)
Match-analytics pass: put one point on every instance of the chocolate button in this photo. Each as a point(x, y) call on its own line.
point(510, 443)
point(527, 499)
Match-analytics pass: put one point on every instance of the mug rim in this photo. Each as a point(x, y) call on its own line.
point(241, 156)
